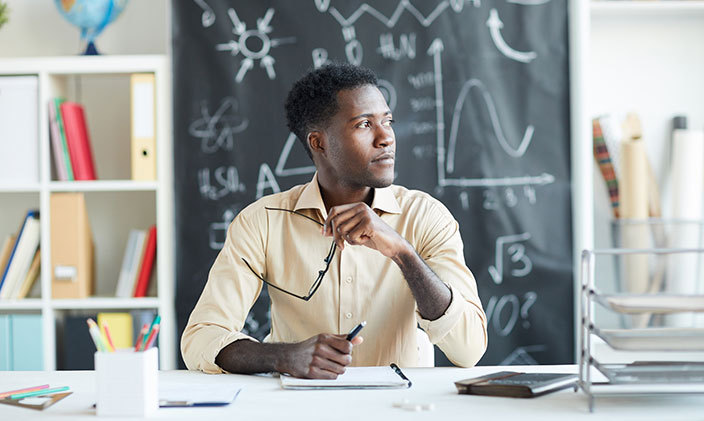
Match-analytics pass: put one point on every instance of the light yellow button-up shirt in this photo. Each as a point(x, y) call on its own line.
point(361, 283)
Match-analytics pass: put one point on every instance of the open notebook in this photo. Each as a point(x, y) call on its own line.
point(385, 377)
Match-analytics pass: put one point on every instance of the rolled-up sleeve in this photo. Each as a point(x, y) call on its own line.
point(461, 331)
point(230, 292)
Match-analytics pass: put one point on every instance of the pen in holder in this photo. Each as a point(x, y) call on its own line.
point(127, 382)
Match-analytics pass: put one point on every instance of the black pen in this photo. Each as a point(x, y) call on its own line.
point(355, 331)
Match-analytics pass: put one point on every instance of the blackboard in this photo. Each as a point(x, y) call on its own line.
point(479, 92)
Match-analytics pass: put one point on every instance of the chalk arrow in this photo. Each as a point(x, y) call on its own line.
point(268, 63)
point(436, 47)
point(263, 23)
point(240, 27)
point(232, 46)
point(322, 5)
point(246, 65)
point(494, 23)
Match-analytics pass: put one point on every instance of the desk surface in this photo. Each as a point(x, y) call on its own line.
point(263, 398)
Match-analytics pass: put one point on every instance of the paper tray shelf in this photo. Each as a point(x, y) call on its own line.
point(650, 303)
point(653, 339)
point(653, 372)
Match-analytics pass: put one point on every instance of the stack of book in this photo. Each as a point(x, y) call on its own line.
point(19, 259)
point(70, 141)
point(137, 263)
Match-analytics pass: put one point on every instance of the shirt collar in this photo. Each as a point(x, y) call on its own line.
point(310, 198)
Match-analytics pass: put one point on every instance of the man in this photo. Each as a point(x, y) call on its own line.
point(394, 256)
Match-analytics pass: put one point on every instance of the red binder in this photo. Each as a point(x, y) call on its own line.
point(78, 141)
point(145, 270)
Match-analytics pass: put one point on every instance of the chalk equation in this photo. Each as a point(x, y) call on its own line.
point(504, 313)
point(520, 263)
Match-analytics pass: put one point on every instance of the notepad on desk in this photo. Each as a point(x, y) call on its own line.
point(385, 377)
point(514, 384)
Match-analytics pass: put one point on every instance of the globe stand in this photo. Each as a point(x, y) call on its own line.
point(91, 50)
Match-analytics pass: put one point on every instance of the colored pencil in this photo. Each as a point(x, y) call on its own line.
point(26, 389)
point(152, 337)
point(140, 338)
point(107, 335)
point(39, 392)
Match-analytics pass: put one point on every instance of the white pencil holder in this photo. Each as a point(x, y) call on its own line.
point(127, 382)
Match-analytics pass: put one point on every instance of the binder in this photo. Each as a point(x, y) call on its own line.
point(19, 135)
point(120, 325)
point(27, 346)
point(143, 98)
point(71, 247)
point(75, 344)
point(78, 141)
point(5, 343)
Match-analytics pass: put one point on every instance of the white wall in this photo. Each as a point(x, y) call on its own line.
point(35, 28)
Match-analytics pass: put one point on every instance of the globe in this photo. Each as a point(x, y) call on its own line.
point(91, 16)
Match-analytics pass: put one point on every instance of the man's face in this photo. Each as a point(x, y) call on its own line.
point(361, 142)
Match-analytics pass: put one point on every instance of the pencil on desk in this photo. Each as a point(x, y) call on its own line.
point(25, 390)
point(38, 392)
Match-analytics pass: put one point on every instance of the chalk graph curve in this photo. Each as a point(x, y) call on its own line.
point(496, 125)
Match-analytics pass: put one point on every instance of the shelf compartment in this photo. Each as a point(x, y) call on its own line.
point(651, 303)
point(105, 303)
point(654, 372)
point(653, 339)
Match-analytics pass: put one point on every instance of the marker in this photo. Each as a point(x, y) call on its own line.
point(356, 330)
point(97, 336)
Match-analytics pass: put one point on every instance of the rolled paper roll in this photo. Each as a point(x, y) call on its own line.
point(687, 204)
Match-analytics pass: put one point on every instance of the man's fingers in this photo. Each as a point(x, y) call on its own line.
point(357, 340)
point(319, 373)
point(338, 215)
point(347, 230)
point(339, 343)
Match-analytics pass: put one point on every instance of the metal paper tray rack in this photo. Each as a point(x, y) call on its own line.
point(640, 377)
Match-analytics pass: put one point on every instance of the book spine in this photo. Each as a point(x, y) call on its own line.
point(57, 150)
point(78, 141)
point(145, 270)
point(62, 133)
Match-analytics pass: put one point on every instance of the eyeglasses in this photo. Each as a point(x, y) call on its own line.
point(321, 273)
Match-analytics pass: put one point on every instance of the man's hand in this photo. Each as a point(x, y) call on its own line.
point(323, 356)
point(358, 224)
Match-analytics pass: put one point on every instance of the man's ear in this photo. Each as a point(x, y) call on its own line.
point(316, 141)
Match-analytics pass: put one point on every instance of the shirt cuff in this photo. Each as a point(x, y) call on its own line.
point(214, 348)
point(438, 328)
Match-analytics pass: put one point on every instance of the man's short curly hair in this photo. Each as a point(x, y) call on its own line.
point(313, 99)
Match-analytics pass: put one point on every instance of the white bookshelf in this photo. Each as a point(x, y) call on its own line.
point(635, 7)
point(115, 203)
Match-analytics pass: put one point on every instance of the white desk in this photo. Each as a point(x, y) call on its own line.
point(262, 398)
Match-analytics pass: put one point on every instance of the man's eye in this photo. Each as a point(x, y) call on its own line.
point(389, 123)
point(365, 123)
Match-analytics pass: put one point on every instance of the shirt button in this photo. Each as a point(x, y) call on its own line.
point(348, 315)
point(348, 280)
